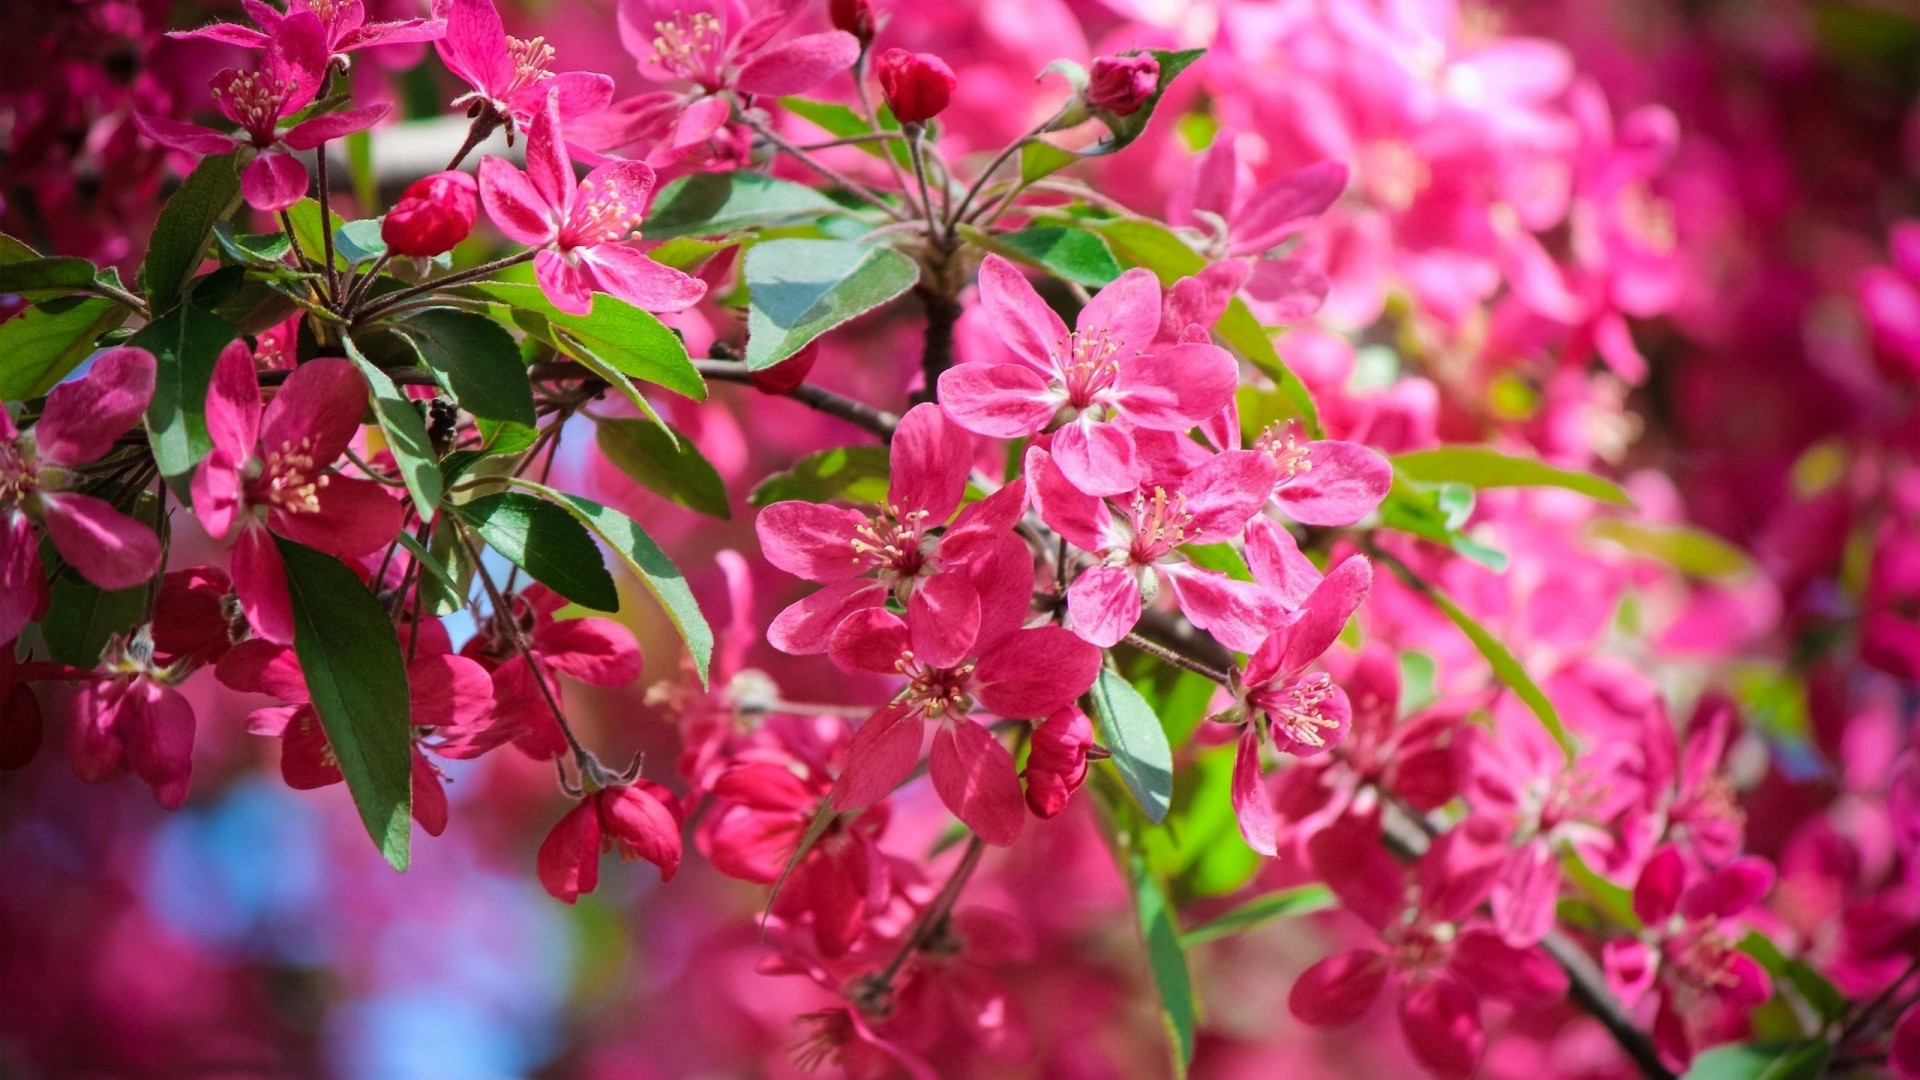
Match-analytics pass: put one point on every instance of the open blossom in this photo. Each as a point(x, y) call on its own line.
point(271, 473)
point(579, 227)
point(511, 78)
point(1441, 961)
point(1091, 388)
point(1135, 540)
point(129, 717)
point(1324, 481)
point(284, 82)
point(961, 643)
point(82, 420)
point(343, 23)
point(1690, 949)
point(596, 651)
point(641, 820)
point(864, 558)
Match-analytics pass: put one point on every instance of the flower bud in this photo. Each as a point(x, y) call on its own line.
point(1057, 764)
point(917, 85)
point(853, 17)
point(433, 214)
point(1121, 84)
point(787, 375)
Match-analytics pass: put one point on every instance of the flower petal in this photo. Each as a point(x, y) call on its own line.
point(109, 548)
point(1004, 401)
point(1031, 673)
point(1019, 316)
point(83, 417)
point(273, 181)
point(632, 276)
point(975, 776)
point(931, 457)
point(1338, 989)
point(882, 754)
point(799, 65)
point(1103, 604)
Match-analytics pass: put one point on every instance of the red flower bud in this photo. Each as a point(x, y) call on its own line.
point(785, 376)
point(917, 85)
point(1057, 765)
point(1121, 84)
point(433, 214)
point(854, 17)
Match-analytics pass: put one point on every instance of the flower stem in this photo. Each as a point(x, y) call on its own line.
point(937, 911)
point(483, 270)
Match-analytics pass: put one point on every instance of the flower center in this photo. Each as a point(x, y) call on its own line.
point(1702, 959)
point(1090, 368)
point(1420, 948)
point(1298, 713)
point(686, 46)
point(327, 10)
point(935, 692)
point(253, 100)
point(16, 471)
point(1291, 455)
point(531, 58)
point(290, 479)
point(889, 542)
point(1160, 524)
point(602, 216)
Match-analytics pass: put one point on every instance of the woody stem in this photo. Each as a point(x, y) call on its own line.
point(1178, 659)
point(937, 911)
point(482, 271)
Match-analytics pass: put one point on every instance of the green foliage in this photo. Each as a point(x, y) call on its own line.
point(1263, 909)
point(1692, 551)
point(653, 458)
point(44, 343)
point(1139, 744)
point(1069, 253)
point(547, 542)
point(714, 204)
point(475, 359)
point(406, 434)
point(186, 342)
point(800, 289)
point(1167, 959)
point(1770, 1061)
point(1483, 467)
point(856, 474)
point(1039, 158)
point(1438, 513)
point(614, 335)
point(209, 194)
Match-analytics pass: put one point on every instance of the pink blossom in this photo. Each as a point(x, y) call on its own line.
point(579, 227)
point(131, 717)
point(192, 617)
point(641, 820)
point(596, 651)
point(288, 76)
point(865, 558)
point(344, 23)
point(1135, 543)
point(1121, 84)
point(511, 78)
point(1057, 761)
point(917, 86)
point(270, 472)
point(39, 472)
point(433, 214)
point(960, 643)
point(1090, 389)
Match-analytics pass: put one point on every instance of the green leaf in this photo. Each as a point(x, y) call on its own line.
point(1508, 669)
point(475, 359)
point(545, 541)
point(1751, 1061)
point(1284, 904)
point(1139, 744)
point(816, 828)
point(1828, 1003)
point(664, 464)
point(445, 596)
point(1695, 552)
point(24, 273)
point(43, 344)
point(1040, 159)
point(406, 434)
point(1199, 849)
point(1482, 467)
point(1121, 130)
point(616, 334)
point(651, 565)
point(1613, 900)
point(1168, 961)
point(209, 194)
point(800, 289)
point(1437, 514)
point(856, 474)
point(254, 249)
point(82, 617)
point(842, 123)
point(1071, 254)
point(1223, 557)
point(305, 216)
point(359, 241)
point(186, 342)
point(358, 682)
point(713, 204)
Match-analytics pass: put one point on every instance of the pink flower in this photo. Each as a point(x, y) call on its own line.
point(960, 643)
point(450, 703)
point(133, 719)
point(270, 471)
point(510, 76)
point(1057, 761)
point(1276, 699)
point(1440, 961)
point(917, 85)
point(40, 469)
point(287, 78)
point(579, 226)
point(641, 820)
point(1121, 84)
point(709, 50)
point(863, 559)
point(1135, 542)
point(1690, 947)
point(344, 23)
point(191, 617)
point(1090, 388)
point(596, 651)
point(433, 214)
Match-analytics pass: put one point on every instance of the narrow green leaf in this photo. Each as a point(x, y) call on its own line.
point(1138, 743)
point(24, 273)
point(358, 682)
point(186, 342)
point(1483, 467)
point(663, 464)
point(816, 828)
point(1828, 1003)
point(305, 216)
point(475, 359)
point(180, 236)
point(713, 204)
point(651, 565)
point(1614, 900)
point(1508, 669)
point(1437, 514)
point(618, 334)
point(1168, 961)
point(359, 241)
point(547, 542)
point(1690, 550)
point(1198, 849)
point(1040, 159)
point(854, 473)
point(800, 289)
point(44, 343)
point(1068, 253)
point(406, 434)
point(253, 249)
point(1284, 904)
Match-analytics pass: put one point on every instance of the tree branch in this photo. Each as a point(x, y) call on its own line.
point(877, 421)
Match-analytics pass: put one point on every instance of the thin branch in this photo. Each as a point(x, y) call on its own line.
point(877, 421)
point(332, 274)
point(937, 911)
point(821, 167)
point(463, 277)
point(1178, 659)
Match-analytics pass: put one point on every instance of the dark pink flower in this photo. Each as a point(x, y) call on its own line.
point(1324, 481)
point(641, 820)
point(1057, 760)
point(344, 23)
point(1090, 388)
point(854, 17)
point(580, 226)
point(961, 643)
point(1903, 1052)
point(917, 85)
point(511, 77)
point(192, 618)
point(285, 81)
point(38, 478)
point(1135, 541)
point(1121, 84)
point(271, 472)
point(865, 558)
point(596, 651)
point(131, 717)
point(433, 214)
